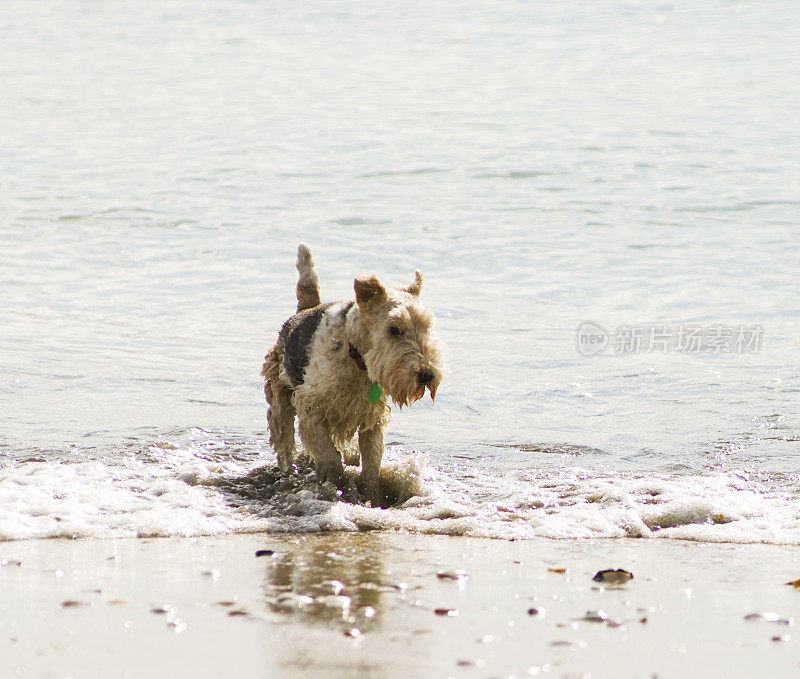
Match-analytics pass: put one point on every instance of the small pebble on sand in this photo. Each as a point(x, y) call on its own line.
point(770, 616)
point(448, 612)
point(613, 576)
point(562, 644)
point(177, 625)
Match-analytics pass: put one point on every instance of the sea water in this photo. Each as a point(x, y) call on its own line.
point(602, 197)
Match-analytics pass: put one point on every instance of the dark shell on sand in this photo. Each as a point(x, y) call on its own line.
point(613, 576)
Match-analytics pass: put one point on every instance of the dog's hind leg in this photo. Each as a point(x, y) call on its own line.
point(280, 412)
point(281, 425)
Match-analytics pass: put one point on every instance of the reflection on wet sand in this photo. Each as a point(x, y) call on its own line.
point(327, 582)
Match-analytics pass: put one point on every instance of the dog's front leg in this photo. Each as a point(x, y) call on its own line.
point(318, 443)
point(370, 445)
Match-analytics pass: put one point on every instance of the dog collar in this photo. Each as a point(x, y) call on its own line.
point(357, 357)
point(375, 392)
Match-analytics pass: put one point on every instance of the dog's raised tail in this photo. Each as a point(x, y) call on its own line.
point(308, 282)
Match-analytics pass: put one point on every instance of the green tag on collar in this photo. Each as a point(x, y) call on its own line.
point(374, 394)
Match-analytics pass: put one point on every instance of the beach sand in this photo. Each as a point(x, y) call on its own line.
point(384, 605)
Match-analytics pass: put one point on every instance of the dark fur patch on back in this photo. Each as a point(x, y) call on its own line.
point(295, 339)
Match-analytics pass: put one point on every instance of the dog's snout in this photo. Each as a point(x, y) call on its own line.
point(425, 376)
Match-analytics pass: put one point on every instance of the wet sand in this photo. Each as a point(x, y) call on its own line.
point(390, 605)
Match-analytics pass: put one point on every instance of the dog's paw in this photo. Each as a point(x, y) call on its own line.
point(331, 473)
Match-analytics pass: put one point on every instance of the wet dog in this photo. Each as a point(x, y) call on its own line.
point(335, 364)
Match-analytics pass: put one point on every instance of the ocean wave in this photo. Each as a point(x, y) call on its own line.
point(193, 486)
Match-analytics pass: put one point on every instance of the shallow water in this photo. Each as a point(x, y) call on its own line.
point(628, 165)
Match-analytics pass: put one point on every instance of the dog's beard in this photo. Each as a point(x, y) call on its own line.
point(432, 387)
point(397, 374)
point(407, 398)
point(405, 389)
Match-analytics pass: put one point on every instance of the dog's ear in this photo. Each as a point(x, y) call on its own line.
point(416, 286)
point(369, 292)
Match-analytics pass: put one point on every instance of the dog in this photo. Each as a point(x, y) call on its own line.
point(334, 365)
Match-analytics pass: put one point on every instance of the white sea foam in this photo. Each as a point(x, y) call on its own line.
point(193, 487)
